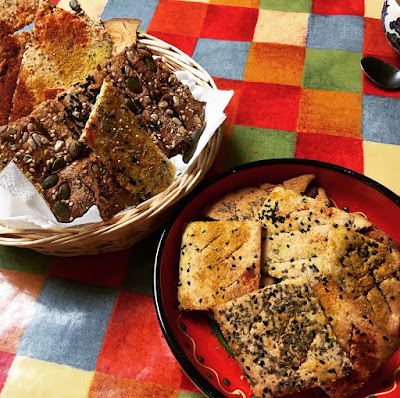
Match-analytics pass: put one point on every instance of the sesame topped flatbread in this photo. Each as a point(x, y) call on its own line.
point(115, 135)
point(15, 14)
point(366, 344)
point(282, 339)
point(220, 260)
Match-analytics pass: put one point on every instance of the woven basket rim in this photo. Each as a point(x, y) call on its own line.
point(67, 241)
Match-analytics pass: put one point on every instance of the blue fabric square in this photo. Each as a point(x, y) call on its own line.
point(380, 119)
point(336, 32)
point(140, 9)
point(69, 323)
point(220, 58)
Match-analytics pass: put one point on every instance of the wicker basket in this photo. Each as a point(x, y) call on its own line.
point(126, 228)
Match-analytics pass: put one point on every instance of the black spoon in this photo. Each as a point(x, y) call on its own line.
point(382, 73)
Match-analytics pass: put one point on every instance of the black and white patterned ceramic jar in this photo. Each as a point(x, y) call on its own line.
point(391, 22)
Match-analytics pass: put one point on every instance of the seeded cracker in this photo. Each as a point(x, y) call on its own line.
point(282, 339)
point(220, 260)
point(114, 134)
point(15, 14)
point(239, 205)
point(159, 100)
point(123, 32)
point(367, 345)
point(46, 63)
point(11, 51)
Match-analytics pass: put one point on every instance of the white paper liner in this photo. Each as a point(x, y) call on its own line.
point(21, 205)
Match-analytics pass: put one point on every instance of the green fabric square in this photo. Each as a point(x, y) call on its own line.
point(185, 394)
point(334, 70)
point(24, 260)
point(139, 276)
point(251, 143)
point(287, 5)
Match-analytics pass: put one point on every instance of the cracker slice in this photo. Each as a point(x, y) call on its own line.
point(123, 32)
point(114, 134)
point(282, 340)
point(46, 63)
point(242, 204)
point(220, 260)
point(299, 184)
point(11, 50)
point(367, 345)
point(15, 14)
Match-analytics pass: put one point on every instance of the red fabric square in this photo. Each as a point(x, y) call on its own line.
point(103, 269)
point(133, 346)
point(6, 359)
point(172, 16)
point(272, 106)
point(183, 43)
point(375, 42)
point(229, 23)
point(343, 151)
point(231, 113)
point(339, 7)
point(371, 88)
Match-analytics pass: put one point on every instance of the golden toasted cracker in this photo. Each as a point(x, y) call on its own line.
point(47, 62)
point(299, 184)
point(367, 345)
point(115, 135)
point(242, 204)
point(220, 260)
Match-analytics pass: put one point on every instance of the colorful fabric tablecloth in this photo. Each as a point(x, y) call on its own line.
point(86, 326)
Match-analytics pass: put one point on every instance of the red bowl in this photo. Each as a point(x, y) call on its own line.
point(191, 335)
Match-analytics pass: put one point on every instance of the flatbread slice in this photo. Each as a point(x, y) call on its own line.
point(299, 184)
point(286, 210)
point(123, 32)
point(114, 135)
point(220, 260)
point(15, 14)
point(367, 345)
point(46, 63)
point(242, 204)
point(11, 50)
point(282, 339)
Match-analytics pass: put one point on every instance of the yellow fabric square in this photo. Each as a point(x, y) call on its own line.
point(381, 163)
point(281, 27)
point(32, 378)
point(373, 8)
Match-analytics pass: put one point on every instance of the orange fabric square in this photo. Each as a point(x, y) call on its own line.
point(133, 345)
point(330, 112)
point(171, 14)
point(275, 63)
point(104, 385)
point(18, 296)
point(375, 42)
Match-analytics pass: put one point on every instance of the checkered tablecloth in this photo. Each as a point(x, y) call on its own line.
point(86, 326)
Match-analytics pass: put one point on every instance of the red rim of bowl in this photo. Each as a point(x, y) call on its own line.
point(191, 371)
